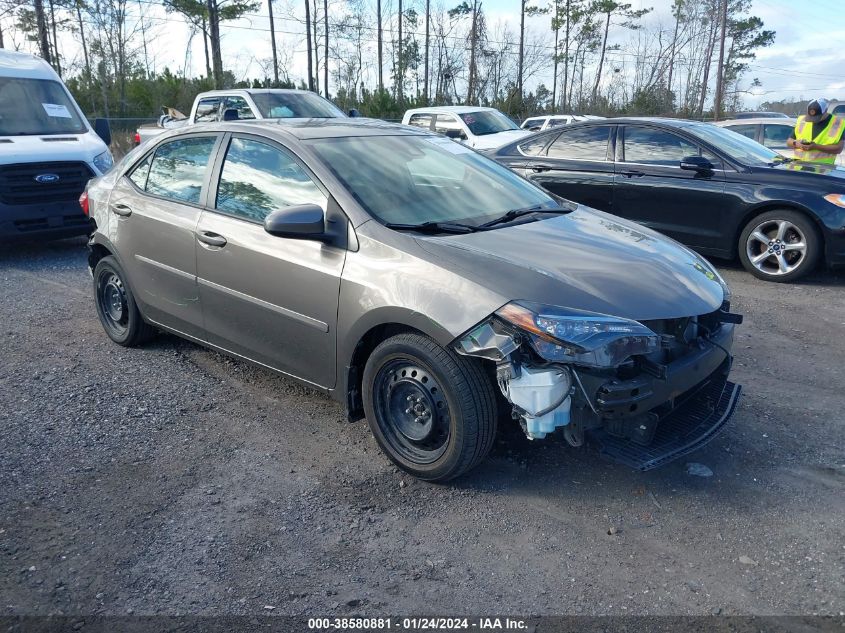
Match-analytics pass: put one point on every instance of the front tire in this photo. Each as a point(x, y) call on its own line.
point(780, 246)
point(116, 307)
point(432, 412)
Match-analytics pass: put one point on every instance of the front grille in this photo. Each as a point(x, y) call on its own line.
point(18, 185)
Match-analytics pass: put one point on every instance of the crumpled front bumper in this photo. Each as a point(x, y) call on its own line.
point(699, 418)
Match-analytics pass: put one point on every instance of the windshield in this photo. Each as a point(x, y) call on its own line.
point(37, 106)
point(415, 179)
point(295, 105)
point(486, 122)
point(735, 145)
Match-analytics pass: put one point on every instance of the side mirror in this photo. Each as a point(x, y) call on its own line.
point(457, 135)
point(696, 163)
point(103, 130)
point(302, 221)
point(353, 112)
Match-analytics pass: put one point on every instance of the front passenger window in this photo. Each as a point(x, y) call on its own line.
point(651, 146)
point(178, 168)
point(258, 178)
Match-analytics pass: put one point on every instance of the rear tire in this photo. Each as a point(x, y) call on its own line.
point(116, 307)
point(432, 412)
point(780, 246)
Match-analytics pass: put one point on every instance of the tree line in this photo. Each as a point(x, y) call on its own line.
point(382, 56)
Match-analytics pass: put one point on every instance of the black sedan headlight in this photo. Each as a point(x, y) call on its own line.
point(574, 336)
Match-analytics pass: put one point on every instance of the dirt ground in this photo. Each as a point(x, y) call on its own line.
point(170, 479)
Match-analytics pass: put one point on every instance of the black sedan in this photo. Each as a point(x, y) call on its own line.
point(712, 189)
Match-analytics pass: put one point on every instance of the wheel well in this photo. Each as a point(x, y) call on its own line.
point(355, 371)
point(776, 207)
point(96, 252)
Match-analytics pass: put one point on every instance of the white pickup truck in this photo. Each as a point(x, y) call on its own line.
point(231, 105)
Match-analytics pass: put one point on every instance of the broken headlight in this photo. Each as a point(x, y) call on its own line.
point(573, 336)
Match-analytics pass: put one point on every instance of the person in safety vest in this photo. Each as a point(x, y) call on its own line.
point(817, 137)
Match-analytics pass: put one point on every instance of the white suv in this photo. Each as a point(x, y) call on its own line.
point(480, 128)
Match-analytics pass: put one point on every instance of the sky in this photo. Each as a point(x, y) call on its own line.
point(805, 61)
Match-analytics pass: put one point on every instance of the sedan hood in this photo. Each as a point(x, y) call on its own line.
point(814, 169)
point(586, 260)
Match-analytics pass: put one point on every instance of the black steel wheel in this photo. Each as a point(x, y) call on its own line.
point(432, 412)
point(116, 306)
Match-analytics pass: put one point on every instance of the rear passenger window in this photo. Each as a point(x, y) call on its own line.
point(208, 110)
point(775, 136)
point(421, 120)
point(585, 143)
point(258, 178)
point(746, 130)
point(139, 174)
point(534, 146)
point(178, 168)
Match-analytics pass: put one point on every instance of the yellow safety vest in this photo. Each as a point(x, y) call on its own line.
point(831, 135)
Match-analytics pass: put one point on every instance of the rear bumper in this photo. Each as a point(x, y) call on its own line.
point(52, 220)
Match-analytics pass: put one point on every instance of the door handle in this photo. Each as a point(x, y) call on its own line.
point(633, 174)
point(212, 239)
point(121, 210)
point(540, 168)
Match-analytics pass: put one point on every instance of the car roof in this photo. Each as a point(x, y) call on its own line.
point(251, 91)
point(15, 64)
point(453, 109)
point(303, 129)
point(758, 121)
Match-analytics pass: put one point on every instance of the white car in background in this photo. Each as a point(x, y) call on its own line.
point(771, 132)
point(480, 128)
point(540, 123)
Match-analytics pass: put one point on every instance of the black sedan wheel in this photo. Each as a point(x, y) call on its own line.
point(432, 412)
point(779, 246)
point(116, 306)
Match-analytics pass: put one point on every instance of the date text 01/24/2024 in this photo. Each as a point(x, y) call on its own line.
point(416, 624)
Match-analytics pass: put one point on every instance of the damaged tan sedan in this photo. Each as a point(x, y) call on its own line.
point(421, 284)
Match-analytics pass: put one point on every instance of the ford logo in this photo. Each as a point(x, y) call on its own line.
point(46, 179)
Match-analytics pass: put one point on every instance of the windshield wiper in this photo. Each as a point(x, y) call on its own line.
point(516, 213)
point(433, 227)
point(782, 159)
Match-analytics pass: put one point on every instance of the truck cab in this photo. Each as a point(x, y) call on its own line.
point(48, 152)
point(248, 104)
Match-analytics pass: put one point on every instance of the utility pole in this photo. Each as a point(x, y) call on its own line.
point(273, 44)
point(427, 14)
point(400, 89)
point(564, 99)
point(326, 51)
point(473, 41)
point(378, 19)
point(521, 59)
point(720, 72)
point(43, 40)
point(308, 45)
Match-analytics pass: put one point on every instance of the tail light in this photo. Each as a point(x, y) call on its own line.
point(137, 138)
point(83, 202)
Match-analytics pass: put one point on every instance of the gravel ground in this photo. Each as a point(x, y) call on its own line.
point(170, 479)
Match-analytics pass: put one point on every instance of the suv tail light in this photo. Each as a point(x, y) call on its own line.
point(83, 202)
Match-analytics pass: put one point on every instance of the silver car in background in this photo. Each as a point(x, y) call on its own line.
point(424, 286)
